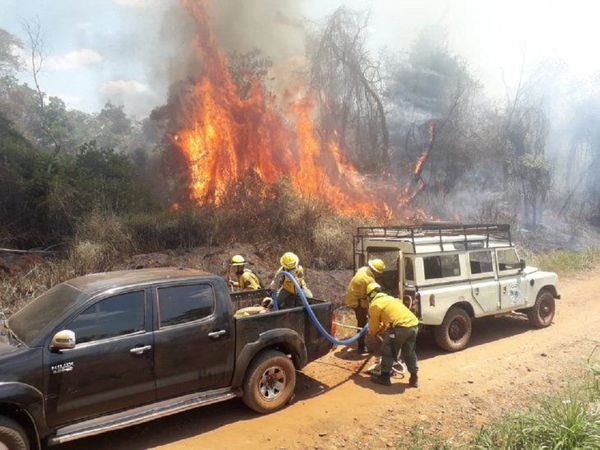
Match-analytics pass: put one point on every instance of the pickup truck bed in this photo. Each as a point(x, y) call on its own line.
point(248, 329)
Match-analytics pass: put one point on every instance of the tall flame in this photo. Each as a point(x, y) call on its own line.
point(227, 137)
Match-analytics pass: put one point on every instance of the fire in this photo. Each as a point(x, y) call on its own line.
point(227, 137)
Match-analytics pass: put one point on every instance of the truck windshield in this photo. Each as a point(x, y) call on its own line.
point(29, 322)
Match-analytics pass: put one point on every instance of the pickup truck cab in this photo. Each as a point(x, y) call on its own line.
point(452, 274)
point(110, 350)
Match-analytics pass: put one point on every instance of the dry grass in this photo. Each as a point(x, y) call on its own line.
point(565, 262)
point(17, 290)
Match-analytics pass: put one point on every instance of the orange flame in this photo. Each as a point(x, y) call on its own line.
point(227, 137)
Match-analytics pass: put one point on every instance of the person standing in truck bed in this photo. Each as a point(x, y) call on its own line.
point(246, 279)
point(287, 297)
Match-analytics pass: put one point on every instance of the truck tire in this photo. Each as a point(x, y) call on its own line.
point(542, 312)
point(12, 435)
point(270, 382)
point(455, 331)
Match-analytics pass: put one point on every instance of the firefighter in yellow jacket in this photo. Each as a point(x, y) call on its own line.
point(400, 327)
point(287, 297)
point(356, 296)
point(246, 279)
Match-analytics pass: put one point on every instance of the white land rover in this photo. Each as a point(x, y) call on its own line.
point(451, 274)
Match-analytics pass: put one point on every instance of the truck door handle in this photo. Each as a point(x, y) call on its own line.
point(476, 291)
point(140, 350)
point(217, 334)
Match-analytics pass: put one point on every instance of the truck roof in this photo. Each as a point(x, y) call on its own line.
point(99, 282)
point(434, 237)
point(431, 244)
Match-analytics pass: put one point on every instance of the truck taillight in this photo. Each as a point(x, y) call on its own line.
point(333, 327)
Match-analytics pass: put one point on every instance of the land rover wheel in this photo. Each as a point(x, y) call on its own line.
point(270, 382)
point(12, 435)
point(455, 331)
point(542, 312)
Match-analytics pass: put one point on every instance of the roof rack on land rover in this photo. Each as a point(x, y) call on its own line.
point(433, 229)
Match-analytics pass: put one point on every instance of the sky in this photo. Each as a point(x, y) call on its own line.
point(101, 50)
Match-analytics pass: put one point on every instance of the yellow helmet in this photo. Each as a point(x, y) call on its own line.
point(373, 288)
point(238, 260)
point(377, 265)
point(289, 261)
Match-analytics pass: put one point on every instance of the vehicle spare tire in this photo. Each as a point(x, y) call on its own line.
point(12, 435)
point(455, 331)
point(270, 382)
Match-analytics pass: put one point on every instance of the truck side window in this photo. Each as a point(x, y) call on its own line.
point(508, 259)
point(114, 316)
point(180, 304)
point(441, 266)
point(481, 262)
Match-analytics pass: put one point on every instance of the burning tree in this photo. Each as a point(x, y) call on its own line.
point(348, 83)
point(229, 125)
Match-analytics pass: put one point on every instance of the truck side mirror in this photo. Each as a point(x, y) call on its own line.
point(63, 340)
point(522, 264)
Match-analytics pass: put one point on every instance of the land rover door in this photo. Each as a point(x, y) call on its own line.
point(511, 279)
point(484, 280)
point(392, 279)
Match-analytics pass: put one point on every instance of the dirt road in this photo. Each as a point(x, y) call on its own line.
point(507, 365)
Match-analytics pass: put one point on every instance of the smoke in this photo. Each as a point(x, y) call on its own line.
point(274, 27)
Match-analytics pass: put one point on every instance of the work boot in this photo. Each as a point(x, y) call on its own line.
point(383, 379)
point(363, 351)
point(413, 381)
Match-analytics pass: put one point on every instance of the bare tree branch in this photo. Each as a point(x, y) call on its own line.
point(37, 53)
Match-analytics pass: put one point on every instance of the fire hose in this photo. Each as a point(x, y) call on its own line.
point(398, 368)
point(313, 317)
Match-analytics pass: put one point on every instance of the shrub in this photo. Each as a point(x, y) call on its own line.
point(101, 240)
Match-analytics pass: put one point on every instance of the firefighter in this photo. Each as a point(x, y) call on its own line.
point(246, 279)
point(286, 294)
point(356, 296)
point(399, 326)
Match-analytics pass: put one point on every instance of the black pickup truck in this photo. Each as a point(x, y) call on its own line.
point(110, 350)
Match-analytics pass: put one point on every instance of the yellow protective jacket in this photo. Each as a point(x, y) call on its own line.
point(286, 283)
point(386, 311)
point(248, 281)
point(357, 289)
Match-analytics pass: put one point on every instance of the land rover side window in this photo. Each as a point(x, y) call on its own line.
point(508, 259)
point(409, 271)
point(180, 304)
point(111, 317)
point(441, 266)
point(481, 262)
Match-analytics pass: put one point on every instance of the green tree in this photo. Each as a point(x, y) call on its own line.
point(112, 127)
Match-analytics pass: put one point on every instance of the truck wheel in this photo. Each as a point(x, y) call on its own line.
point(455, 331)
point(542, 312)
point(12, 435)
point(270, 382)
